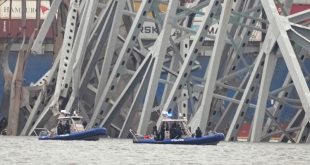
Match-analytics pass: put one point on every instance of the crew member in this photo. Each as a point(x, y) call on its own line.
point(198, 132)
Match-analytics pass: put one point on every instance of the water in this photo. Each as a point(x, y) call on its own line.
point(29, 150)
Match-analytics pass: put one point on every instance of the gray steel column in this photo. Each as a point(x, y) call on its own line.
point(37, 45)
point(213, 68)
point(45, 82)
point(268, 71)
point(159, 54)
point(135, 107)
point(295, 122)
point(281, 26)
point(102, 108)
point(238, 119)
point(66, 56)
point(109, 53)
point(80, 44)
point(185, 70)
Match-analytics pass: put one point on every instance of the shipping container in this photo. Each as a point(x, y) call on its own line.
point(11, 28)
point(16, 9)
point(307, 2)
point(299, 7)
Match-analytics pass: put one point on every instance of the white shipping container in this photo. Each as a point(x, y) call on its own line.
point(17, 8)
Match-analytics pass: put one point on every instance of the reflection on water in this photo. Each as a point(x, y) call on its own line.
point(29, 150)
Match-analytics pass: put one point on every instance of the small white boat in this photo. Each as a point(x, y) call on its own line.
point(72, 128)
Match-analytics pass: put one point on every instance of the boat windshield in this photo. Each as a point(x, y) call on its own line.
point(77, 120)
point(180, 123)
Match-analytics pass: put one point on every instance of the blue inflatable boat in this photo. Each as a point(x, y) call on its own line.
point(72, 128)
point(91, 134)
point(212, 139)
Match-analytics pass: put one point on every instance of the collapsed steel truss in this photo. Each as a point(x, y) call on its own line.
point(116, 79)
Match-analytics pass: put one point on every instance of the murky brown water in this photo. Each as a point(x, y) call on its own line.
point(29, 150)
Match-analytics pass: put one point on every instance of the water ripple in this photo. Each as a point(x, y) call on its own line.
point(29, 150)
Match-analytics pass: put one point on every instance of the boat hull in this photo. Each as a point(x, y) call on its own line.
point(204, 140)
point(91, 134)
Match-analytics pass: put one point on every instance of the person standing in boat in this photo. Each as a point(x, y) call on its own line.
point(162, 132)
point(178, 133)
point(60, 129)
point(84, 124)
point(173, 131)
point(3, 125)
point(67, 128)
point(167, 132)
point(198, 133)
point(155, 133)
